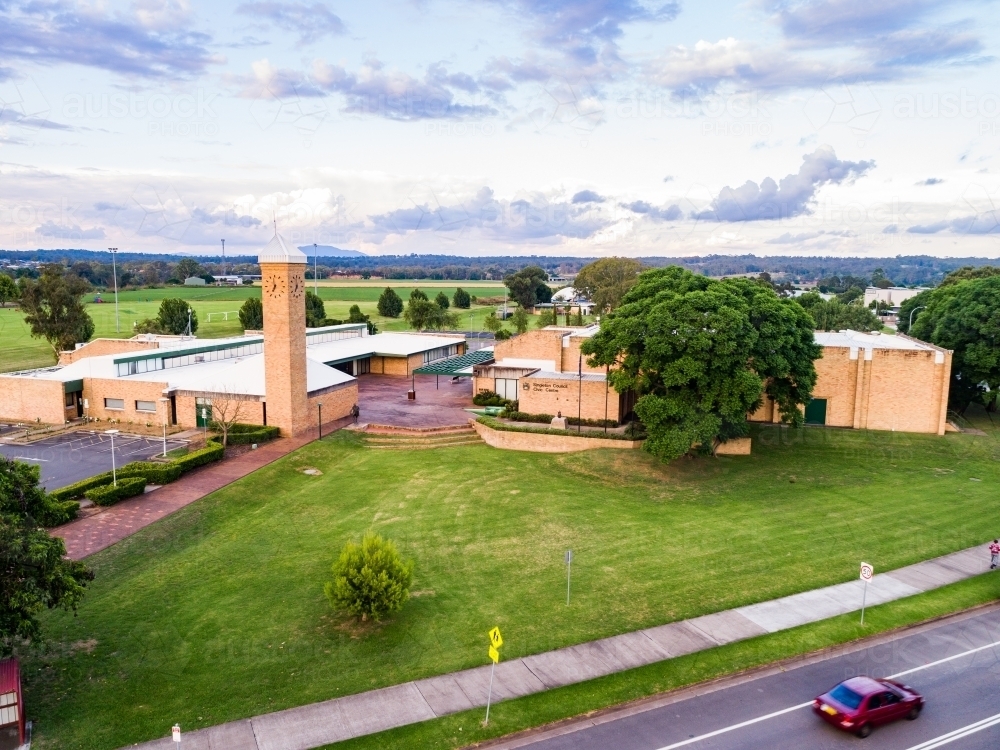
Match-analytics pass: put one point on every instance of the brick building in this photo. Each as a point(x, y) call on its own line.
point(864, 381)
point(283, 377)
point(546, 373)
point(876, 382)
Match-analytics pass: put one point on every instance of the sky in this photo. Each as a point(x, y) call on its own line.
point(557, 127)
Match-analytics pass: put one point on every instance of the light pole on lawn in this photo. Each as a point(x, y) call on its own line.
point(223, 257)
point(114, 473)
point(165, 402)
point(315, 268)
point(922, 307)
point(114, 273)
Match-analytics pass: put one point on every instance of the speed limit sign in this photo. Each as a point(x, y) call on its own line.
point(866, 572)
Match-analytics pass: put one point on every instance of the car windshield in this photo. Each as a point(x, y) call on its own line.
point(845, 696)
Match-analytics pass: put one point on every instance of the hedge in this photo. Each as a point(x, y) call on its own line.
point(153, 473)
point(520, 416)
point(58, 512)
point(247, 434)
point(498, 425)
point(80, 488)
point(212, 452)
point(110, 494)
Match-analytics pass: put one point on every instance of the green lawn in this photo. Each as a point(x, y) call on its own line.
point(19, 351)
point(217, 612)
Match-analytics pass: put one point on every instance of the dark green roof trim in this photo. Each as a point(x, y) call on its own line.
point(72, 386)
point(452, 365)
point(182, 351)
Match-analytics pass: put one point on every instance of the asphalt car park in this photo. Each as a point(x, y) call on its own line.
point(68, 458)
point(954, 664)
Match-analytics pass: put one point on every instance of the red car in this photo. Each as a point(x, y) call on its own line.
point(861, 703)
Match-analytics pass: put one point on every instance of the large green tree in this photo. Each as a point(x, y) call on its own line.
point(604, 282)
point(8, 289)
point(700, 354)
point(423, 314)
point(389, 304)
point(462, 299)
point(173, 316)
point(252, 314)
point(35, 572)
point(965, 317)
point(187, 268)
point(53, 308)
point(528, 286)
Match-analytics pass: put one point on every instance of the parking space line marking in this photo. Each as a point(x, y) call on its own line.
point(734, 727)
point(958, 734)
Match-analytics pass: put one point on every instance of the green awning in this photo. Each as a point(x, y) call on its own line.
point(453, 366)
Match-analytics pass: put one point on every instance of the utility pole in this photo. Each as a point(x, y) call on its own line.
point(114, 272)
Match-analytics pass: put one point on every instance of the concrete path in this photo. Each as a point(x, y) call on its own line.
point(335, 720)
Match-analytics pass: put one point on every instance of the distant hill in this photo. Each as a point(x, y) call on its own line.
point(331, 251)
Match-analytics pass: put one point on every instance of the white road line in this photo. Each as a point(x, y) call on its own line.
point(958, 734)
point(26, 458)
point(734, 727)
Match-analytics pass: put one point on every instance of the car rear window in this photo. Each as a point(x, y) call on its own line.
point(845, 696)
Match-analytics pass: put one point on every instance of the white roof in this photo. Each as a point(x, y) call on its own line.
point(379, 345)
point(279, 251)
point(858, 340)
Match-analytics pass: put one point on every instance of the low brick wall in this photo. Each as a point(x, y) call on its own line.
point(734, 447)
point(544, 443)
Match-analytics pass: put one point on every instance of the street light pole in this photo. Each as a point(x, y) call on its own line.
point(114, 473)
point(223, 257)
point(922, 307)
point(165, 402)
point(315, 268)
point(114, 272)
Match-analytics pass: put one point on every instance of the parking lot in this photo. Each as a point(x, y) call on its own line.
point(65, 459)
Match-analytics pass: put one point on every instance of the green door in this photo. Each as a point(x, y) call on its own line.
point(816, 411)
point(204, 411)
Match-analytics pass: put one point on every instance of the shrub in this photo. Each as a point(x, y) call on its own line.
point(592, 422)
point(57, 512)
point(153, 473)
point(520, 416)
point(370, 579)
point(489, 398)
point(193, 460)
point(80, 488)
point(247, 434)
point(110, 494)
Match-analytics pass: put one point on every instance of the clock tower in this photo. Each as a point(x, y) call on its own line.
point(282, 270)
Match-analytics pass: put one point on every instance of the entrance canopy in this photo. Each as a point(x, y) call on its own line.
point(460, 366)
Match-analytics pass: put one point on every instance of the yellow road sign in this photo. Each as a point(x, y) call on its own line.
point(495, 638)
point(494, 655)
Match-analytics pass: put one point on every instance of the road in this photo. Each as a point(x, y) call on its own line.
point(954, 664)
point(65, 459)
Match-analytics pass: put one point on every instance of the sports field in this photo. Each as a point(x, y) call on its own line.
point(19, 351)
point(217, 612)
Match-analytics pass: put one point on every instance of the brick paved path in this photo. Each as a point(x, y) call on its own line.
point(92, 534)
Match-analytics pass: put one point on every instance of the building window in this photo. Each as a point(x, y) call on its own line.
point(114, 403)
point(363, 366)
point(70, 400)
point(506, 388)
point(145, 406)
point(440, 353)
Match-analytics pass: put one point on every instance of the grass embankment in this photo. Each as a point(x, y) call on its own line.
point(217, 612)
point(19, 351)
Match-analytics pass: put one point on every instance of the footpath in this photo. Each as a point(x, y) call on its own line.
point(318, 724)
point(91, 534)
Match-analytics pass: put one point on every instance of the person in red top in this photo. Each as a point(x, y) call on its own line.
point(994, 554)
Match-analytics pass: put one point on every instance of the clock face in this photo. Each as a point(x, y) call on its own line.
point(296, 287)
point(274, 286)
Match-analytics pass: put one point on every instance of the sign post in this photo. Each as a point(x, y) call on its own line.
point(867, 571)
point(569, 570)
point(496, 641)
point(176, 734)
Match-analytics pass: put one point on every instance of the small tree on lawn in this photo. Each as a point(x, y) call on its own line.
point(389, 304)
point(370, 580)
point(442, 301)
point(173, 316)
point(492, 323)
point(519, 320)
point(252, 315)
point(8, 289)
point(461, 299)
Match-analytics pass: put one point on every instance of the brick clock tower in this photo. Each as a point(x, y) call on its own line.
point(283, 290)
